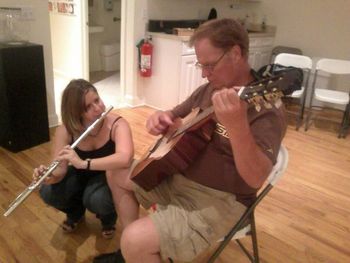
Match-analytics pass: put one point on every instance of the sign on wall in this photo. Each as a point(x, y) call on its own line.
point(65, 7)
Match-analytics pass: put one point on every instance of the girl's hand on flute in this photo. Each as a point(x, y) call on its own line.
point(68, 154)
point(40, 171)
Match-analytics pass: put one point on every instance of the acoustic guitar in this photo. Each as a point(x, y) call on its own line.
point(178, 148)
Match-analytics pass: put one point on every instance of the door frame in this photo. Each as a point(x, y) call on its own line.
point(127, 52)
point(85, 39)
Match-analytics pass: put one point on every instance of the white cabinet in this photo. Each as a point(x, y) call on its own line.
point(260, 49)
point(175, 75)
point(191, 76)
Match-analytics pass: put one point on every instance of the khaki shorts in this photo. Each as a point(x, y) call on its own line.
point(189, 217)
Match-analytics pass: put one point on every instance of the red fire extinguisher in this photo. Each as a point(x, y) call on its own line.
point(146, 58)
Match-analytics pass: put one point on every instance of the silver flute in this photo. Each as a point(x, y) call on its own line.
point(35, 184)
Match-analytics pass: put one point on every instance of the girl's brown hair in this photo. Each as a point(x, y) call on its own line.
point(73, 104)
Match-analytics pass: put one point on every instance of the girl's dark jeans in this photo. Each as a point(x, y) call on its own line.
point(77, 192)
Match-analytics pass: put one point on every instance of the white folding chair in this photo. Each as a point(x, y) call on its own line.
point(240, 229)
point(284, 49)
point(331, 96)
point(304, 63)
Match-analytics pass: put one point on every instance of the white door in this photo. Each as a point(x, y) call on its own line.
point(70, 48)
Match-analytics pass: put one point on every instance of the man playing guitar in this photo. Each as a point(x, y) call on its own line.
point(198, 206)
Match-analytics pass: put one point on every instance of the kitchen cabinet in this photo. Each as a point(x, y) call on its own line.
point(260, 49)
point(190, 76)
point(175, 75)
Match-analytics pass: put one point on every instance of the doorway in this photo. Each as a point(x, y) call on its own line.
point(104, 20)
point(70, 50)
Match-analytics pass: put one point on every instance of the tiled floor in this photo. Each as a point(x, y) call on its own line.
point(96, 76)
point(109, 89)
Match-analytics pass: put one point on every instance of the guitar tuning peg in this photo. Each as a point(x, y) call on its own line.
point(258, 99)
point(277, 95)
point(257, 102)
point(278, 103)
point(254, 101)
point(267, 105)
point(257, 107)
point(268, 97)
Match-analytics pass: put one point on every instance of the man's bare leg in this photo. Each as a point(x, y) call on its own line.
point(124, 199)
point(140, 242)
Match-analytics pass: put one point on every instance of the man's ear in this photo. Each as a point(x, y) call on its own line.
point(236, 52)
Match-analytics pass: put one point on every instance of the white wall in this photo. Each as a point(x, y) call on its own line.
point(185, 9)
point(38, 31)
point(320, 28)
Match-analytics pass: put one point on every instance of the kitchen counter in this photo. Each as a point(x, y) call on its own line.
point(256, 31)
point(270, 31)
point(169, 36)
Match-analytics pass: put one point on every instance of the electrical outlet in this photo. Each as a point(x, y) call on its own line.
point(27, 13)
point(236, 4)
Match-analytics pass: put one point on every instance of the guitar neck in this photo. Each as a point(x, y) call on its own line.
point(260, 92)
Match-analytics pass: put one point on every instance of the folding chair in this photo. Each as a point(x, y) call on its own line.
point(305, 63)
point(239, 230)
point(330, 96)
point(284, 49)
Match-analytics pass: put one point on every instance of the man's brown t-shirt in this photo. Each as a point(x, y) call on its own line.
point(214, 166)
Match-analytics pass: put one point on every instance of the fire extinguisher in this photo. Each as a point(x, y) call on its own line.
point(146, 58)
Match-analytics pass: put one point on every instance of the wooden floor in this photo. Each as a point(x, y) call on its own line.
point(305, 218)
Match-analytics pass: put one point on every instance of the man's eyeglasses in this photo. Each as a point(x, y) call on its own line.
point(210, 67)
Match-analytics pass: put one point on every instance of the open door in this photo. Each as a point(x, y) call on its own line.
point(70, 45)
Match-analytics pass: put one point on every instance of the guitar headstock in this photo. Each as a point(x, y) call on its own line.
point(270, 90)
